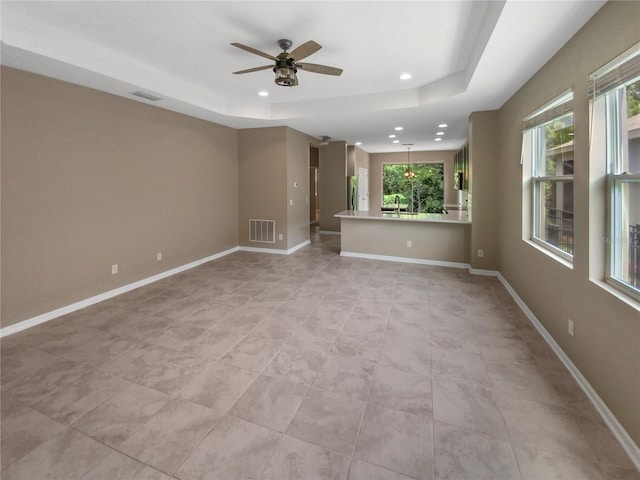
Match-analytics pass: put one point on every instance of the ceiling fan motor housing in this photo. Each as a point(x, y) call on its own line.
point(285, 44)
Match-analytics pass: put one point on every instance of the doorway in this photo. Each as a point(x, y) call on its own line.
point(314, 201)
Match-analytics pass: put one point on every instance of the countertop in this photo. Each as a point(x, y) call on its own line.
point(454, 216)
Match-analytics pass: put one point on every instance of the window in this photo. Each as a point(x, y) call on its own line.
point(615, 106)
point(549, 138)
point(422, 192)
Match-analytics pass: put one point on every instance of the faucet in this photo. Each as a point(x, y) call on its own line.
point(397, 202)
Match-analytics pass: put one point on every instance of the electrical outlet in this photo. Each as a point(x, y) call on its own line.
point(409, 244)
point(114, 269)
point(291, 201)
point(159, 256)
point(570, 325)
point(280, 237)
point(480, 253)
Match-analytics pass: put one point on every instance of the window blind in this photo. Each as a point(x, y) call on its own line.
point(616, 73)
point(552, 110)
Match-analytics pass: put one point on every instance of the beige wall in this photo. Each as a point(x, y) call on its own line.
point(356, 158)
point(298, 174)
point(271, 161)
point(262, 168)
point(332, 187)
point(376, 160)
point(484, 193)
point(91, 179)
point(605, 346)
point(351, 160)
point(361, 160)
point(444, 242)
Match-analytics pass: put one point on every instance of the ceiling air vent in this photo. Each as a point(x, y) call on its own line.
point(146, 96)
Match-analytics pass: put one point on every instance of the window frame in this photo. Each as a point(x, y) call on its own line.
point(614, 246)
point(608, 85)
point(537, 217)
point(533, 124)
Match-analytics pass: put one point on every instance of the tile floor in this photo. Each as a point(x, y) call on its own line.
point(308, 366)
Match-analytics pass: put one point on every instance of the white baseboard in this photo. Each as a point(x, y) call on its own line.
point(58, 312)
point(618, 431)
point(276, 251)
point(299, 246)
point(389, 258)
point(486, 273)
point(627, 443)
point(328, 232)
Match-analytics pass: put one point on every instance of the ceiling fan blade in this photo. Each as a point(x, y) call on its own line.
point(323, 69)
point(254, 51)
point(255, 69)
point(304, 50)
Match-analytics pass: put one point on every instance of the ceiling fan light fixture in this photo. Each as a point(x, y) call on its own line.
point(285, 71)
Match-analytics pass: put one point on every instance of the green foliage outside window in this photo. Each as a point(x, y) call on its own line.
point(633, 99)
point(424, 194)
point(559, 146)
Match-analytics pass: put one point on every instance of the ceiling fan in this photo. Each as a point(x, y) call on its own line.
point(287, 63)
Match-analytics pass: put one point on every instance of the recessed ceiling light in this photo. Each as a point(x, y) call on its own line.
point(396, 141)
point(263, 93)
point(443, 125)
point(358, 143)
point(398, 128)
point(439, 133)
point(405, 76)
point(392, 136)
point(438, 139)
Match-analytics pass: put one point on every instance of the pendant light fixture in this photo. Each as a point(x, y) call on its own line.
point(409, 174)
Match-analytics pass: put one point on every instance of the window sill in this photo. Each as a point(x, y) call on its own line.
point(619, 294)
point(542, 249)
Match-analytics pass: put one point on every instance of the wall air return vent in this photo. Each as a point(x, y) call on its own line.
point(146, 96)
point(262, 231)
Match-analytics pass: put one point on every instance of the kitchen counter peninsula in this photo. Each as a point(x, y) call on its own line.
point(455, 216)
point(429, 238)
